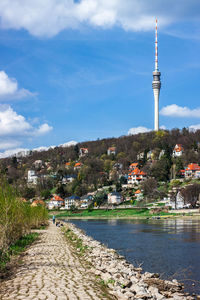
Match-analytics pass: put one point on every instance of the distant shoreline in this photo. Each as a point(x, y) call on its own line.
point(129, 217)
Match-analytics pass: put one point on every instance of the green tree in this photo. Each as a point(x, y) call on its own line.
point(45, 194)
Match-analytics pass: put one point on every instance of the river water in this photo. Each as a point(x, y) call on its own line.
point(169, 247)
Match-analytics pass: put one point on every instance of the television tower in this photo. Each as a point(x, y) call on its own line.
point(156, 84)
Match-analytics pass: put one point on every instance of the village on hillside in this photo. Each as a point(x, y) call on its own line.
point(157, 179)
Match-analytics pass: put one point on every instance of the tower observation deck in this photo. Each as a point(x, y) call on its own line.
point(156, 85)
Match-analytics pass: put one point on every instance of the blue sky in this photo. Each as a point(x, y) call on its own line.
point(83, 71)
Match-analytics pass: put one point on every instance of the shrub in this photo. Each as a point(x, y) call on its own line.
point(16, 217)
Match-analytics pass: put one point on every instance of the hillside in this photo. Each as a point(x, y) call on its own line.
point(96, 168)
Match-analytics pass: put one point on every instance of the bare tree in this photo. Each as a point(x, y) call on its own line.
point(191, 193)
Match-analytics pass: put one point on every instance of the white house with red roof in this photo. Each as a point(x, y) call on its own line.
point(111, 150)
point(56, 202)
point(191, 171)
point(178, 150)
point(83, 152)
point(78, 166)
point(136, 176)
point(68, 165)
point(138, 195)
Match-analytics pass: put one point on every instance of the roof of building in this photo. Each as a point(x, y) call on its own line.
point(38, 202)
point(56, 198)
point(138, 192)
point(193, 167)
point(133, 165)
point(78, 164)
point(84, 149)
point(73, 197)
point(136, 171)
point(112, 148)
point(178, 148)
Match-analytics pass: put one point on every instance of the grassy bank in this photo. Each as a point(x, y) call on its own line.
point(16, 248)
point(115, 213)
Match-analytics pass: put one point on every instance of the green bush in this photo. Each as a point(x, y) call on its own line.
point(16, 217)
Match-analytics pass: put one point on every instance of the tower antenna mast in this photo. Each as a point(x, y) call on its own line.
point(156, 84)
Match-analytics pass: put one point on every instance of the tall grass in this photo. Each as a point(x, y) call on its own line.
point(16, 217)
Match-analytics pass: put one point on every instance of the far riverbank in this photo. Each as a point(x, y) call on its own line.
point(142, 213)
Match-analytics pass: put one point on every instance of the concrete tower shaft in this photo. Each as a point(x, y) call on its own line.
point(156, 85)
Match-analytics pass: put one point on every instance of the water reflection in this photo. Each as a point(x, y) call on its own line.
point(166, 246)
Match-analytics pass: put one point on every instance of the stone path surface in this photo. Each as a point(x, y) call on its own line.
point(50, 270)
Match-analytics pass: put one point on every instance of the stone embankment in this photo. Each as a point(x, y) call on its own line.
point(123, 279)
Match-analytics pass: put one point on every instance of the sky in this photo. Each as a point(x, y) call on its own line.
point(82, 70)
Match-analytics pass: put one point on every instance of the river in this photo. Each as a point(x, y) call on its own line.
point(169, 247)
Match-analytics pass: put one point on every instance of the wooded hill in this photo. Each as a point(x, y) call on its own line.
point(97, 165)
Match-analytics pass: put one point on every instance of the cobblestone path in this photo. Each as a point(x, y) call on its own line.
point(50, 270)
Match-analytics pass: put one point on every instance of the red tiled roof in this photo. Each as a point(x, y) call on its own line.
point(193, 167)
point(138, 192)
point(178, 148)
point(133, 165)
point(78, 164)
point(57, 198)
point(112, 148)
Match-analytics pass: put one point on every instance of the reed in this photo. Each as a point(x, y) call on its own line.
point(17, 218)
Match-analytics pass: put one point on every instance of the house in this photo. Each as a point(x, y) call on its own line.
point(140, 155)
point(37, 203)
point(115, 198)
point(111, 150)
point(83, 152)
point(191, 171)
point(150, 155)
point(86, 200)
point(162, 152)
point(73, 200)
point(78, 166)
point(68, 179)
point(37, 164)
point(136, 176)
point(118, 166)
point(138, 195)
point(133, 166)
point(179, 202)
point(32, 177)
point(67, 165)
point(178, 150)
point(56, 202)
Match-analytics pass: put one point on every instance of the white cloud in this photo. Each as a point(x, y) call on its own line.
point(25, 151)
point(139, 129)
point(49, 17)
point(179, 111)
point(9, 144)
point(43, 129)
point(12, 124)
point(14, 128)
point(194, 127)
point(9, 88)
point(68, 144)
point(12, 152)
